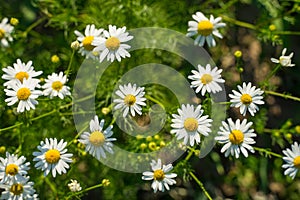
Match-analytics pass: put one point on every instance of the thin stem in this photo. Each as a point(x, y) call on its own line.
point(33, 25)
point(287, 32)
point(189, 155)
point(155, 101)
point(70, 63)
point(85, 190)
point(52, 187)
point(267, 152)
point(286, 96)
point(273, 72)
point(201, 185)
point(238, 23)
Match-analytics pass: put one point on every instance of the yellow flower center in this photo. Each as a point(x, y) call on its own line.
point(112, 43)
point(129, 100)
point(87, 43)
point(297, 162)
point(246, 99)
point(57, 85)
point(190, 124)
point(52, 156)
point(16, 189)
point(11, 169)
point(2, 33)
point(23, 93)
point(206, 78)
point(97, 138)
point(236, 137)
point(21, 76)
point(205, 27)
point(159, 175)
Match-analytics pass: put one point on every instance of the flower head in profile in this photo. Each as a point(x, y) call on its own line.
point(86, 40)
point(74, 186)
point(98, 140)
point(131, 99)
point(236, 137)
point(206, 79)
point(19, 72)
point(12, 168)
point(113, 44)
point(22, 189)
point(55, 86)
point(24, 93)
point(52, 157)
point(285, 61)
point(190, 124)
point(205, 29)
point(292, 160)
point(5, 32)
point(160, 176)
point(247, 98)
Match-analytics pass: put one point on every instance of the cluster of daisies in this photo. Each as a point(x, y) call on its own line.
point(22, 86)
point(99, 43)
point(188, 125)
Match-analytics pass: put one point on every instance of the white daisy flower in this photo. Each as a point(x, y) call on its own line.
point(190, 123)
point(12, 168)
point(74, 186)
point(112, 46)
point(98, 141)
point(247, 98)
point(86, 39)
point(5, 32)
point(131, 99)
point(206, 79)
point(292, 159)
point(237, 137)
point(205, 28)
point(19, 190)
point(160, 176)
point(24, 93)
point(55, 86)
point(285, 61)
point(52, 157)
point(19, 72)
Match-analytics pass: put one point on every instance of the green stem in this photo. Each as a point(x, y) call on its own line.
point(33, 25)
point(201, 185)
point(85, 190)
point(155, 101)
point(273, 72)
point(52, 186)
point(267, 152)
point(70, 63)
point(238, 23)
point(286, 96)
point(189, 155)
point(287, 32)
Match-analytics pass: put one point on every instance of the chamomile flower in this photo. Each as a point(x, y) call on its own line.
point(24, 93)
point(98, 140)
point(19, 190)
point(160, 176)
point(5, 32)
point(74, 186)
point(205, 28)
point(236, 137)
point(247, 98)
point(112, 45)
point(52, 157)
point(55, 86)
point(131, 99)
point(190, 123)
point(86, 39)
point(19, 72)
point(12, 168)
point(285, 61)
point(292, 159)
point(206, 79)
